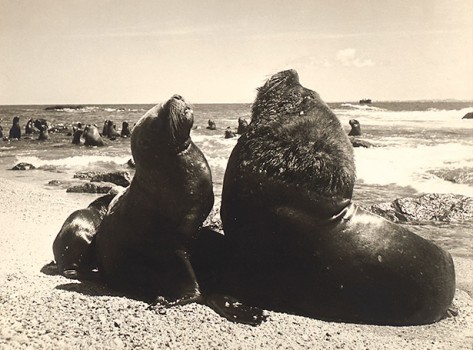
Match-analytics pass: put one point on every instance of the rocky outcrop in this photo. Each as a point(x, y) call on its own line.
point(427, 208)
point(92, 187)
point(120, 178)
point(458, 176)
point(23, 166)
point(469, 115)
point(355, 142)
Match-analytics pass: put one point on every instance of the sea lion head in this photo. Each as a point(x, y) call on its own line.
point(355, 127)
point(164, 129)
point(282, 94)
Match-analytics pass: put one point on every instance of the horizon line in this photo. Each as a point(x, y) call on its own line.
point(217, 103)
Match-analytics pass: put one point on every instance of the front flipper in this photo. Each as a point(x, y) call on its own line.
point(235, 311)
point(177, 285)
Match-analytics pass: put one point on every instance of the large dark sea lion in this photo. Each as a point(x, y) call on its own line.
point(297, 242)
point(142, 243)
point(73, 246)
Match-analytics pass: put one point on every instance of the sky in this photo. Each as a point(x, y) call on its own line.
point(216, 51)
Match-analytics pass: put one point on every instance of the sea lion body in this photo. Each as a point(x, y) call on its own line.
point(42, 126)
point(15, 130)
point(112, 132)
point(73, 246)
point(355, 128)
point(143, 241)
point(211, 125)
point(297, 243)
point(125, 132)
point(92, 136)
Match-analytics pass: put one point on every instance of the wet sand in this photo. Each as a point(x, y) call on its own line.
point(41, 311)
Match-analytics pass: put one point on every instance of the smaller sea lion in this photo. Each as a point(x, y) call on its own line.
point(15, 131)
point(112, 132)
point(212, 125)
point(229, 133)
point(355, 128)
point(92, 136)
point(42, 126)
point(125, 130)
point(73, 246)
point(77, 134)
point(29, 128)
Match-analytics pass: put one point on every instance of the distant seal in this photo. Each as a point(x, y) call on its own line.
point(73, 246)
point(29, 128)
point(297, 242)
point(77, 134)
point(112, 132)
point(125, 132)
point(15, 130)
point(91, 136)
point(242, 125)
point(211, 125)
point(355, 128)
point(142, 243)
point(42, 126)
point(229, 133)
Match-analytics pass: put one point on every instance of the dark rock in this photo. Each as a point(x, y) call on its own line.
point(458, 176)
point(360, 143)
point(23, 166)
point(427, 208)
point(131, 163)
point(92, 187)
point(469, 115)
point(120, 178)
point(55, 183)
point(86, 175)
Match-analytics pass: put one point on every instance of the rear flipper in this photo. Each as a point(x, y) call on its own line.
point(235, 311)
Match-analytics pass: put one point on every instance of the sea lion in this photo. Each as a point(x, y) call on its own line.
point(15, 130)
point(229, 133)
point(73, 246)
point(297, 242)
point(43, 128)
point(211, 125)
point(142, 243)
point(242, 125)
point(91, 136)
point(77, 134)
point(29, 128)
point(145, 241)
point(112, 132)
point(125, 132)
point(355, 128)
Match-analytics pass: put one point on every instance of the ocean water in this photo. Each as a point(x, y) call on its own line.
point(416, 142)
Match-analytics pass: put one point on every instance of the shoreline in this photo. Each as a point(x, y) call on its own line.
point(51, 312)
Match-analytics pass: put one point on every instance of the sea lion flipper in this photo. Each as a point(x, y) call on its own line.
point(235, 311)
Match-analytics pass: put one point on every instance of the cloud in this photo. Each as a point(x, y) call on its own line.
point(348, 58)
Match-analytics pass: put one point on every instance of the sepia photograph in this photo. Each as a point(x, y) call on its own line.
point(248, 174)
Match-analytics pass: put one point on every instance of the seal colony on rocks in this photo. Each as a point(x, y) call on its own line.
point(296, 241)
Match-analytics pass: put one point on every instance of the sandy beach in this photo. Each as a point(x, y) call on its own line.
point(43, 311)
